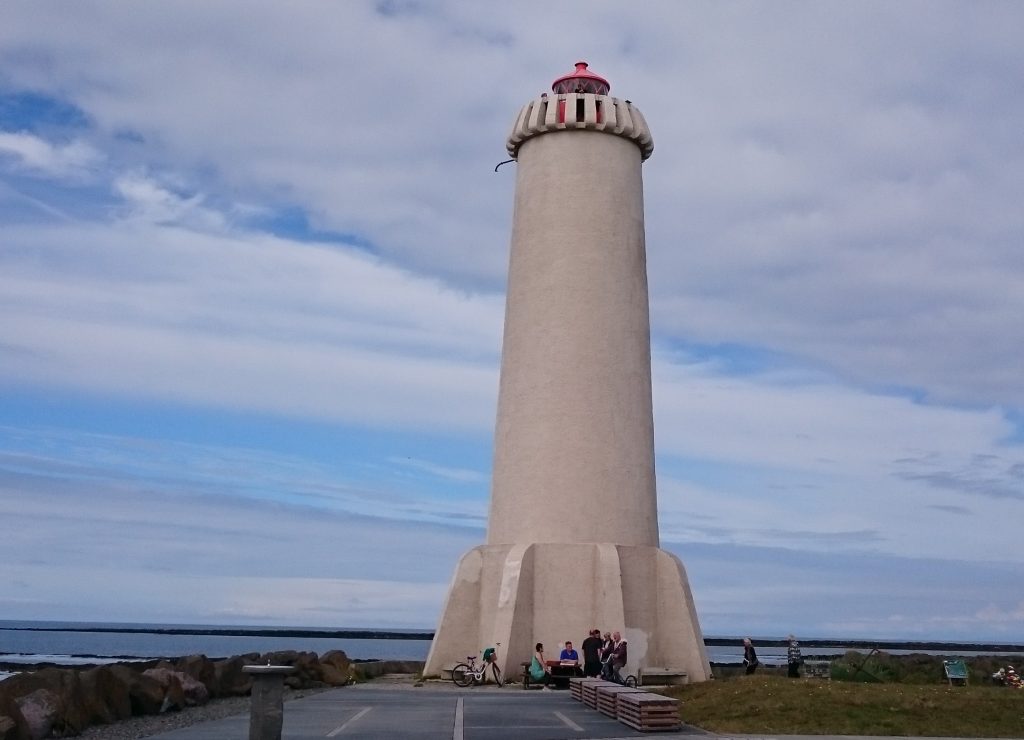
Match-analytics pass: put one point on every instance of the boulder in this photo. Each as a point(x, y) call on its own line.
point(9, 710)
point(144, 692)
point(336, 659)
point(334, 676)
point(174, 695)
point(307, 667)
point(8, 728)
point(105, 696)
point(374, 668)
point(228, 677)
point(65, 689)
point(196, 693)
point(200, 668)
point(41, 709)
point(281, 657)
point(184, 689)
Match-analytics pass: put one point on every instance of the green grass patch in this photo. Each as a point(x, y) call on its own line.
point(778, 705)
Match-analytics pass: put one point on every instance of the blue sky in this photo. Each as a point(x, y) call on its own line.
point(252, 262)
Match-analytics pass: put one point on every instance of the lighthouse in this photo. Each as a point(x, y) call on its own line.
point(572, 536)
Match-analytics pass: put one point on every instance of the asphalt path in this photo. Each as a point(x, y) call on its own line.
point(430, 712)
point(443, 712)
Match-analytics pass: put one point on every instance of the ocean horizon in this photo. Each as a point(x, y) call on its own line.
point(79, 643)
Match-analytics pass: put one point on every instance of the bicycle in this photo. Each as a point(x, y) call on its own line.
point(610, 674)
point(629, 681)
point(466, 674)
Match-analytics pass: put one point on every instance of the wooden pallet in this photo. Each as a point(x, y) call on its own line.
point(588, 691)
point(576, 686)
point(648, 712)
point(606, 698)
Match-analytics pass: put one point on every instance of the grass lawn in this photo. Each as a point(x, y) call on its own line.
point(779, 705)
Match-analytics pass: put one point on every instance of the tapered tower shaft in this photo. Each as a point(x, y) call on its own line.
point(574, 440)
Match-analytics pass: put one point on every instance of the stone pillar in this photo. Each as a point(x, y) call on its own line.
point(266, 714)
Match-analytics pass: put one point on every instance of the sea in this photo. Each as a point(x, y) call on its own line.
point(80, 643)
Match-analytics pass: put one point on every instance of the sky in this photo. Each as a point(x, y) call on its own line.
point(252, 271)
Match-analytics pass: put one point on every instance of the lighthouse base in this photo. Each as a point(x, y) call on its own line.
point(518, 595)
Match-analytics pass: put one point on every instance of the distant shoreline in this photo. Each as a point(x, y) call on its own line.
point(350, 634)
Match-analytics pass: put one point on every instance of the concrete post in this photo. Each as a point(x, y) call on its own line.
point(266, 715)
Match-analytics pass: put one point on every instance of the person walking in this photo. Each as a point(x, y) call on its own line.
point(619, 658)
point(793, 657)
point(749, 656)
point(607, 646)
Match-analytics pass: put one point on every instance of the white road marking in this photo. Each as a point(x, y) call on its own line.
point(568, 722)
point(459, 720)
point(357, 715)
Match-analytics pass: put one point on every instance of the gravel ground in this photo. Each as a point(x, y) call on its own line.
point(147, 726)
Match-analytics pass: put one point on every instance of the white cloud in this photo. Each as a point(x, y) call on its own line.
point(149, 201)
point(286, 327)
point(37, 156)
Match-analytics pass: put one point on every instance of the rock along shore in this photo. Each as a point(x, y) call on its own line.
point(57, 701)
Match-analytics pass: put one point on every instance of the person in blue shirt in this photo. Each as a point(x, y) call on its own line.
point(569, 653)
point(569, 657)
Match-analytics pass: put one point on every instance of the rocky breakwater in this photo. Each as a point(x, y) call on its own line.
point(63, 701)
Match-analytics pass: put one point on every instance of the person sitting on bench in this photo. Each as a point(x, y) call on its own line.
point(539, 671)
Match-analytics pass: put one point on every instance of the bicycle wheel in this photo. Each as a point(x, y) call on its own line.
point(461, 675)
point(630, 682)
point(497, 676)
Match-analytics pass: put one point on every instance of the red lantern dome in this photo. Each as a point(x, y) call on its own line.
point(582, 80)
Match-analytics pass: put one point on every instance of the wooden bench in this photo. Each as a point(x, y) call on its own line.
point(648, 712)
point(818, 669)
point(652, 676)
point(956, 672)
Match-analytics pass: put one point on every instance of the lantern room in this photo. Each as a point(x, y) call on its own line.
point(581, 80)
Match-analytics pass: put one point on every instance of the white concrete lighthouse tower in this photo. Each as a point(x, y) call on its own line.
point(572, 540)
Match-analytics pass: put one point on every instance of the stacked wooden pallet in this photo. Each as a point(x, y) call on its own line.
point(606, 698)
point(648, 712)
point(588, 692)
point(576, 686)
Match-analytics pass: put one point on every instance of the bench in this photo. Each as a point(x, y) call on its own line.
point(818, 669)
point(652, 676)
point(956, 672)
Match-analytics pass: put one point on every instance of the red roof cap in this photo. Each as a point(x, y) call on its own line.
point(581, 80)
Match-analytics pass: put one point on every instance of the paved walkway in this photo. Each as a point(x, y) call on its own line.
point(428, 713)
point(443, 712)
